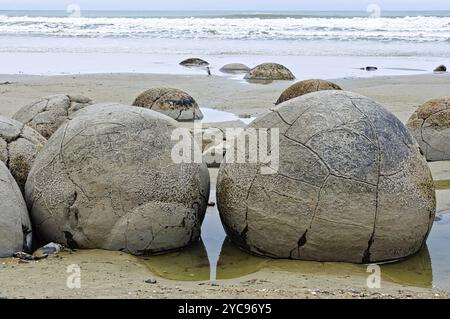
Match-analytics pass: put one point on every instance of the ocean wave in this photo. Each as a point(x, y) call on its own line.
point(405, 29)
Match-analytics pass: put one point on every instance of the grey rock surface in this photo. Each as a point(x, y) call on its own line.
point(351, 185)
point(234, 68)
point(19, 146)
point(430, 125)
point(47, 114)
point(15, 225)
point(106, 179)
point(171, 102)
point(305, 87)
point(269, 71)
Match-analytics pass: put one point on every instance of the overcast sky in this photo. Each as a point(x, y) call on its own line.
point(357, 5)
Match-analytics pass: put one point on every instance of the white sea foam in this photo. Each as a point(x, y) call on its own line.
point(386, 29)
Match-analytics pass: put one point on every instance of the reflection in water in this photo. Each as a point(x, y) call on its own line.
point(442, 184)
point(221, 259)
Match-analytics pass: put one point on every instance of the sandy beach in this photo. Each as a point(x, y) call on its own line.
point(118, 275)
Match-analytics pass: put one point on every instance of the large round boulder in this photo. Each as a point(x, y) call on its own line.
point(350, 185)
point(47, 114)
point(430, 125)
point(174, 103)
point(194, 62)
point(19, 146)
point(269, 71)
point(305, 87)
point(15, 225)
point(106, 179)
point(234, 68)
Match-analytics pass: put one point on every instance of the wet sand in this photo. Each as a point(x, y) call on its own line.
point(118, 275)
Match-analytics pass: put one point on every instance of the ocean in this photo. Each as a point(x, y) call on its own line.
point(312, 44)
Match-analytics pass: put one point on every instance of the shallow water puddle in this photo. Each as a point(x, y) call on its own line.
point(216, 258)
point(215, 116)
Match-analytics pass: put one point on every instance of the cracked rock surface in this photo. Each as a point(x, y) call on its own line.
point(106, 179)
point(47, 114)
point(269, 71)
point(15, 225)
point(430, 125)
point(305, 87)
point(351, 185)
point(19, 146)
point(171, 102)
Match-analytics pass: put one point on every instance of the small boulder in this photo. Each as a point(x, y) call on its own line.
point(174, 103)
point(430, 125)
point(270, 72)
point(19, 146)
point(15, 225)
point(235, 68)
point(441, 68)
point(47, 114)
point(305, 87)
point(194, 62)
point(370, 68)
point(47, 250)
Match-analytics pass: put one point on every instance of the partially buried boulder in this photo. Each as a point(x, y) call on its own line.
point(235, 68)
point(15, 226)
point(106, 179)
point(305, 87)
point(194, 62)
point(430, 125)
point(174, 103)
point(47, 114)
point(269, 71)
point(19, 146)
point(350, 185)
point(441, 68)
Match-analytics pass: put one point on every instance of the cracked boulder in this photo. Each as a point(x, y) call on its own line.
point(47, 114)
point(19, 146)
point(269, 71)
point(305, 87)
point(15, 226)
point(171, 102)
point(106, 179)
point(430, 125)
point(350, 185)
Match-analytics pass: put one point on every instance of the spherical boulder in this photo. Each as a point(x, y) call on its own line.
point(235, 68)
point(15, 225)
point(430, 125)
point(19, 146)
point(107, 179)
point(47, 114)
point(269, 71)
point(171, 102)
point(194, 62)
point(350, 184)
point(305, 87)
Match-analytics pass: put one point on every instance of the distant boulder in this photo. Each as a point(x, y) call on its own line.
point(234, 68)
point(270, 71)
point(370, 68)
point(194, 62)
point(441, 68)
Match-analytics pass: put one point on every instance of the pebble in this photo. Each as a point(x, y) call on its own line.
point(150, 281)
